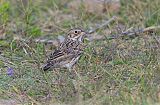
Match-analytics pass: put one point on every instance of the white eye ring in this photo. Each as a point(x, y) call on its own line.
point(75, 32)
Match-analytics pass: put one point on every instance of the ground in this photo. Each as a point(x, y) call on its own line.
point(124, 70)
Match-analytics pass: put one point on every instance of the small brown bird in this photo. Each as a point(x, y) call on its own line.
point(68, 52)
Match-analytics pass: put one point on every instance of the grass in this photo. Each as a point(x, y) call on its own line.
point(117, 71)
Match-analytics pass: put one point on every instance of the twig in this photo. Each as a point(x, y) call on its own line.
point(102, 26)
point(151, 28)
point(130, 33)
point(54, 41)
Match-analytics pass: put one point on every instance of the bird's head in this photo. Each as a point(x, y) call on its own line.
point(76, 34)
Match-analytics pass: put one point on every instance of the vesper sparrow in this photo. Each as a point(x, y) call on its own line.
point(68, 52)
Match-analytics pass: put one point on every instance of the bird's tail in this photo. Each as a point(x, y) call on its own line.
point(46, 66)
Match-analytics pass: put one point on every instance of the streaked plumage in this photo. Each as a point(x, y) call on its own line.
point(68, 52)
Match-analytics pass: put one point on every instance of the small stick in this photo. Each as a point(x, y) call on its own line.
point(101, 26)
point(151, 28)
point(130, 33)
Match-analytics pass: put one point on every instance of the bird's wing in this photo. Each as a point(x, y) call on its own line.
point(59, 55)
point(54, 58)
point(56, 54)
point(67, 50)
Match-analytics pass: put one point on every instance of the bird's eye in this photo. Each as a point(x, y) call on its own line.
point(75, 32)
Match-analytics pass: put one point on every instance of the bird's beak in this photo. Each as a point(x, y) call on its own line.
point(85, 36)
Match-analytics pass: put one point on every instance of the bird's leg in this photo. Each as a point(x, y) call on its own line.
point(70, 69)
point(77, 85)
point(57, 73)
point(76, 73)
